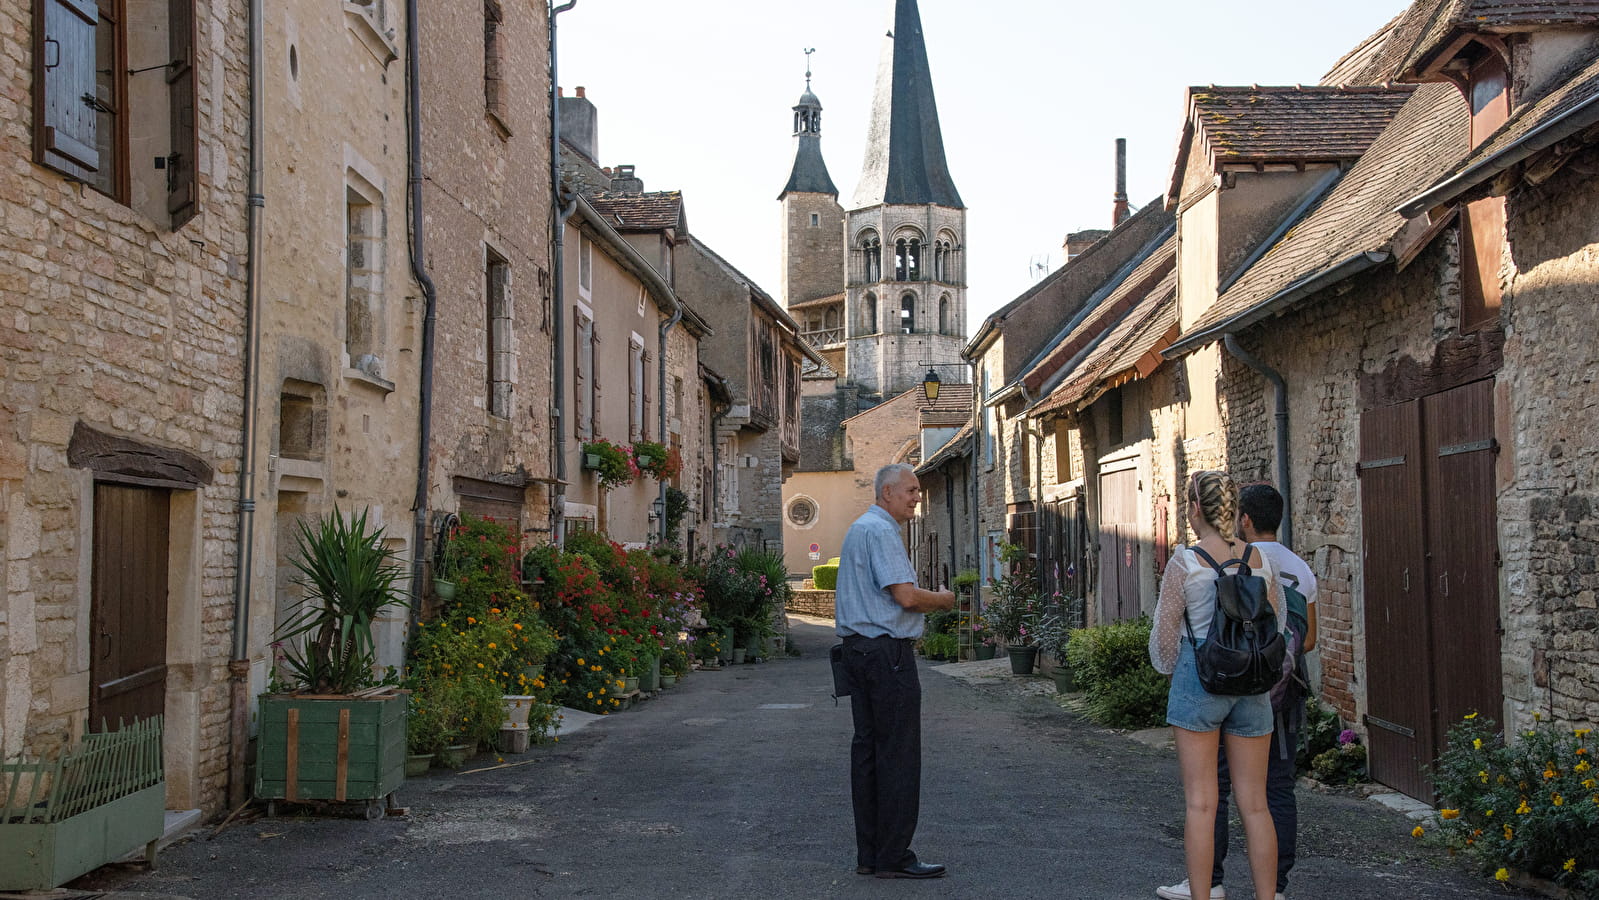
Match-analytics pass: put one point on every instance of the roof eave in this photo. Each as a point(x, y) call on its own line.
point(1304, 287)
point(1544, 136)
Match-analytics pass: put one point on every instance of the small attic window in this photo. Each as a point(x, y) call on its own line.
point(816, 220)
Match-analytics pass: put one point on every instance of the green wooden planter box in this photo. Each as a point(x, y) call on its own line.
point(93, 805)
point(331, 748)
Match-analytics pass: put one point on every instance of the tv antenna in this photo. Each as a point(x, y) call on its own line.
point(1038, 267)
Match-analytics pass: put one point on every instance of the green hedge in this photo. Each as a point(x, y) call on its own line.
point(826, 577)
point(1111, 663)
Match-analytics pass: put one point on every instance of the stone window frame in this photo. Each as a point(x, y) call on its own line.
point(870, 248)
point(499, 334)
point(494, 91)
point(802, 500)
point(365, 309)
point(585, 267)
point(302, 421)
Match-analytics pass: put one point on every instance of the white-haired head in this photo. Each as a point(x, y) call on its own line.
point(891, 474)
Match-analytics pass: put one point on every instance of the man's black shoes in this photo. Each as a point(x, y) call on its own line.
point(914, 870)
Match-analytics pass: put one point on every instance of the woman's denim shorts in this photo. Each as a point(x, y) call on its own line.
point(1191, 707)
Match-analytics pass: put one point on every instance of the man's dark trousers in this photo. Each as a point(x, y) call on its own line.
point(1279, 797)
point(886, 753)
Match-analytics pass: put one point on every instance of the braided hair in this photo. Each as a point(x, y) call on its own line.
point(1218, 500)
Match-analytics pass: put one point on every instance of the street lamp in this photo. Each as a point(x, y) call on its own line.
point(930, 385)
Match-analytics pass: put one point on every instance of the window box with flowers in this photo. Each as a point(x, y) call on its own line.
point(612, 463)
point(657, 460)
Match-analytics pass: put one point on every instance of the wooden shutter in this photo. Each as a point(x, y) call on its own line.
point(581, 361)
point(594, 379)
point(64, 130)
point(183, 179)
point(635, 374)
point(644, 392)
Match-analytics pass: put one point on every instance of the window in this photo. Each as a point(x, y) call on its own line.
point(801, 511)
point(869, 314)
point(637, 375)
point(816, 220)
point(943, 315)
point(583, 390)
point(1063, 452)
point(1482, 223)
point(677, 404)
point(871, 257)
point(498, 351)
point(302, 420)
point(493, 83)
point(83, 52)
point(907, 314)
point(585, 266)
point(908, 259)
point(990, 424)
point(363, 283)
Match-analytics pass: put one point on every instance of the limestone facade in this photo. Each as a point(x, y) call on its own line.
point(121, 370)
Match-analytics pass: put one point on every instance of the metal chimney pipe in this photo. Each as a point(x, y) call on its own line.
point(1120, 209)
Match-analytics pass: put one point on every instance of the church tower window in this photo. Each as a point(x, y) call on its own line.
point(869, 314)
point(943, 314)
point(907, 314)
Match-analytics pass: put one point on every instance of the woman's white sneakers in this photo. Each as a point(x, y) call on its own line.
point(1180, 891)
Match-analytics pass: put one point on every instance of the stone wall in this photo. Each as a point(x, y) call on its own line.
point(812, 603)
point(118, 322)
point(813, 255)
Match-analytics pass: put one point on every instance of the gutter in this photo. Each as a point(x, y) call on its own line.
point(430, 293)
point(239, 665)
point(563, 211)
point(1544, 136)
point(1348, 268)
point(1285, 531)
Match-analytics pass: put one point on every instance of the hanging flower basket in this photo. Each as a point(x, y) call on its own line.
point(611, 463)
point(657, 460)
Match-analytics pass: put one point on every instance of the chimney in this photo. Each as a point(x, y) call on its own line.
point(580, 123)
point(1078, 241)
point(624, 181)
point(1119, 211)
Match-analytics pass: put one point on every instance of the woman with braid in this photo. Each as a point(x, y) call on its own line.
point(1202, 720)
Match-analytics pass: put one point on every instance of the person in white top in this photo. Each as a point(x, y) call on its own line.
point(1202, 721)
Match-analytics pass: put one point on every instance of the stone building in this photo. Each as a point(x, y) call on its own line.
point(122, 365)
point(880, 288)
point(486, 214)
point(338, 371)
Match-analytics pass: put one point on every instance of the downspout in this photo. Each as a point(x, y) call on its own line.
point(1285, 532)
point(563, 211)
point(949, 497)
point(716, 456)
point(424, 453)
point(239, 665)
point(977, 497)
point(660, 401)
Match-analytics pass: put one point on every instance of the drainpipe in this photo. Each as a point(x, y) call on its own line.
point(949, 499)
point(716, 455)
point(239, 665)
point(563, 211)
point(977, 497)
point(1285, 532)
point(430, 293)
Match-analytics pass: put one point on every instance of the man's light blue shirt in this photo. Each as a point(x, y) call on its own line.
point(872, 559)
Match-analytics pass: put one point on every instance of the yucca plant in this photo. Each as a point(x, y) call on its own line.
point(349, 578)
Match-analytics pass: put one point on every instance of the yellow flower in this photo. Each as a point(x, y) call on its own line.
point(1582, 766)
point(471, 621)
point(1582, 732)
point(494, 609)
point(1417, 831)
point(1589, 783)
point(1489, 814)
point(1509, 832)
point(493, 646)
point(1549, 772)
point(591, 695)
point(602, 651)
point(581, 662)
point(517, 626)
point(1558, 800)
point(1502, 875)
point(480, 665)
point(1483, 775)
point(1523, 809)
point(1448, 813)
point(1471, 716)
point(602, 690)
point(1571, 865)
point(1476, 743)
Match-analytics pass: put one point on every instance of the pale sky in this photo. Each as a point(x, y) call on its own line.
point(698, 94)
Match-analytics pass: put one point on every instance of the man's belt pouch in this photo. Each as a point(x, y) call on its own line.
point(841, 681)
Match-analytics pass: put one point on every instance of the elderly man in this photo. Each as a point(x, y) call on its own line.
point(879, 615)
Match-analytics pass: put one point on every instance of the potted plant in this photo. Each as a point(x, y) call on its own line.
point(982, 638)
point(1054, 636)
point(658, 461)
point(612, 463)
point(1014, 609)
point(450, 564)
point(337, 734)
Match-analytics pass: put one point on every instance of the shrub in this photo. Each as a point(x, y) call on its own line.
point(965, 581)
point(945, 621)
point(1530, 804)
point(1322, 727)
point(1111, 663)
point(826, 577)
point(937, 645)
point(1013, 610)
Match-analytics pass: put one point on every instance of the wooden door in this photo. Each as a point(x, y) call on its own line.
point(1464, 549)
point(1119, 550)
point(1398, 639)
point(128, 645)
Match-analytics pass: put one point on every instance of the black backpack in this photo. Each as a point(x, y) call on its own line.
point(1243, 653)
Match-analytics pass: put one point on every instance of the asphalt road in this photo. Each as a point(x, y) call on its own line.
point(734, 784)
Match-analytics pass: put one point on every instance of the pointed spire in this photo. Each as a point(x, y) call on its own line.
point(810, 171)
point(905, 149)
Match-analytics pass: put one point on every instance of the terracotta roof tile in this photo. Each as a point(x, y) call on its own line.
point(640, 212)
point(1144, 329)
point(1436, 24)
point(1293, 124)
point(1427, 138)
point(819, 301)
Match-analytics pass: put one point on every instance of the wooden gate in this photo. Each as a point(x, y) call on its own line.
point(128, 646)
point(1062, 563)
point(1119, 550)
point(1429, 558)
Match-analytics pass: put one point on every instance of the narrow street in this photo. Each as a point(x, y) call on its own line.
point(734, 784)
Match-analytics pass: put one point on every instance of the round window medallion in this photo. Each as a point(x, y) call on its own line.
point(802, 512)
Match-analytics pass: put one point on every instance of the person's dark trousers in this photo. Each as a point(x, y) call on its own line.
point(886, 753)
point(1279, 796)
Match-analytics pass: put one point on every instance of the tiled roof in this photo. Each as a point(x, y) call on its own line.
point(640, 212)
point(1360, 65)
point(1434, 25)
point(905, 161)
point(1142, 331)
point(1293, 124)
point(953, 406)
point(1572, 106)
point(1427, 138)
point(1154, 268)
point(819, 301)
